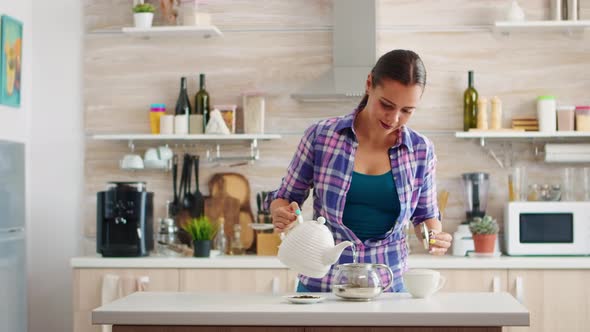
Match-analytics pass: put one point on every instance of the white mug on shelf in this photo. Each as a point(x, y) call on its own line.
point(131, 161)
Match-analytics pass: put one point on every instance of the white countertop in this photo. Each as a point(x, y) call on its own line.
point(443, 309)
point(272, 262)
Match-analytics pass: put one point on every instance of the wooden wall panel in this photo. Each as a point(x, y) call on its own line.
point(280, 46)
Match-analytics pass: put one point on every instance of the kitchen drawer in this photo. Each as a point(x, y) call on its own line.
point(234, 280)
point(470, 280)
point(88, 283)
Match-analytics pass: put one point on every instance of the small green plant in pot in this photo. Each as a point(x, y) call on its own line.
point(484, 231)
point(143, 15)
point(202, 231)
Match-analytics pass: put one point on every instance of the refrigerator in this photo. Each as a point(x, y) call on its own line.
point(13, 277)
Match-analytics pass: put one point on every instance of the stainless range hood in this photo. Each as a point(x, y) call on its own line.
point(353, 54)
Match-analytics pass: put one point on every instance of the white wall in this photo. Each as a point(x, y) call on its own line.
point(56, 164)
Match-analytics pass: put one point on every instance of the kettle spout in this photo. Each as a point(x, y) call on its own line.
point(332, 255)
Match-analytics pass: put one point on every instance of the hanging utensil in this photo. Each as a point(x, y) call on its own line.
point(190, 198)
point(173, 207)
point(186, 202)
point(198, 200)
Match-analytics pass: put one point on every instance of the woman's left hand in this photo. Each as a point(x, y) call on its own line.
point(439, 242)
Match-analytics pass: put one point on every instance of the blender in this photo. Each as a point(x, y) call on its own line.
point(475, 190)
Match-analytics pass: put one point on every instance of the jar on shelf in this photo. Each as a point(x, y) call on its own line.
point(253, 104)
point(565, 118)
point(193, 13)
point(582, 118)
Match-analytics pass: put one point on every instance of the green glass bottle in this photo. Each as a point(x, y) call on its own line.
point(202, 102)
point(470, 105)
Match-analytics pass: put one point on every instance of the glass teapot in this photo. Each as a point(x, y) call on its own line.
point(360, 281)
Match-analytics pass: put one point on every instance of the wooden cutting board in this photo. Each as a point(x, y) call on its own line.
point(230, 195)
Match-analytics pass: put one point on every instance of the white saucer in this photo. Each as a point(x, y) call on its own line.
point(481, 254)
point(262, 227)
point(300, 299)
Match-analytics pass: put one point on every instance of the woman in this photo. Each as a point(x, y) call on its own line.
point(370, 173)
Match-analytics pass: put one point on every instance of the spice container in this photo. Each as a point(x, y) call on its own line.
point(565, 118)
point(482, 113)
point(546, 108)
point(496, 114)
point(254, 108)
point(582, 118)
point(156, 112)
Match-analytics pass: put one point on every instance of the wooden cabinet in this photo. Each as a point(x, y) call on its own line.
point(558, 300)
point(234, 280)
point(475, 280)
point(88, 289)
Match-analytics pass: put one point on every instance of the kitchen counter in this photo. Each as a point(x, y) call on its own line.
point(464, 311)
point(271, 262)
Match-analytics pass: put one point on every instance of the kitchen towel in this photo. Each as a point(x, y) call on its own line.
point(111, 290)
point(115, 287)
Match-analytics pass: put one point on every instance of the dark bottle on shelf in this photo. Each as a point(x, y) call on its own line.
point(183, 104)
point(470, 105)
point(202, 101)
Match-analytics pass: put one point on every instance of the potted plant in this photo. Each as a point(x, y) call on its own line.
point(484, 232)
point(202, 232)
point(143, 15)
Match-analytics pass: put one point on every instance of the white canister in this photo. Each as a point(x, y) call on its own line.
point(167, 124)
point(195, 124)
point(254, 109)
point(546, 113)
point(181, 124)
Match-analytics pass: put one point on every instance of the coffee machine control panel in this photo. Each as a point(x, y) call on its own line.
point(121, 207)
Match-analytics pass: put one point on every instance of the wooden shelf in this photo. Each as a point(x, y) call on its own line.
point(524, 134)
point(200, 31)
point(536, 26)
point(201, 137)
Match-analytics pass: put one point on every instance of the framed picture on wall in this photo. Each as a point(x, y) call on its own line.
point(11, 40)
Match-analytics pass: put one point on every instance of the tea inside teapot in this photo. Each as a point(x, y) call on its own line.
point(360, 281)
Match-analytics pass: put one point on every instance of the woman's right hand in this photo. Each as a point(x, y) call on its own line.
point(284, 216)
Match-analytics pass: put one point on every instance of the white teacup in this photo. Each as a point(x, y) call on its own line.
point(131, 161)
point(165, 153)
point(151, 154)
point(422, 283)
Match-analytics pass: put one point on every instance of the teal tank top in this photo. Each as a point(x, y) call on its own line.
point(372, 205)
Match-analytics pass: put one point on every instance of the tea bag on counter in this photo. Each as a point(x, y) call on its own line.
point(216, 125)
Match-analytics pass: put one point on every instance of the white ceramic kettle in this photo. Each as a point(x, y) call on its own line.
point(308, 248)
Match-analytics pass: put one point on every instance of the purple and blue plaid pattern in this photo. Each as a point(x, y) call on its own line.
point(324, 161)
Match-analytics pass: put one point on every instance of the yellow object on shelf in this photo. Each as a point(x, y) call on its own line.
point(156, 112)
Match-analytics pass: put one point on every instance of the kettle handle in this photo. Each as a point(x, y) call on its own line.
point(388, 269)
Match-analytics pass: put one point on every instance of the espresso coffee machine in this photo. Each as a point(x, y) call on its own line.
point(124, 220)
point(475, 189)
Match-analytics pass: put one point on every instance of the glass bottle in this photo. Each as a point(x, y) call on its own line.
point(470, 105)
point(220, 241)
point(202, 102)
point(236, 244)
point(183, 104)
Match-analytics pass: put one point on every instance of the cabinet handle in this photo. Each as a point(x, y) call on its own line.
point(496, 284)
point(275, 285)
point(519, 283)
point(143, 283)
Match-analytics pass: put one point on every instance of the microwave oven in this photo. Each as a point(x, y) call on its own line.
point(547, 228)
